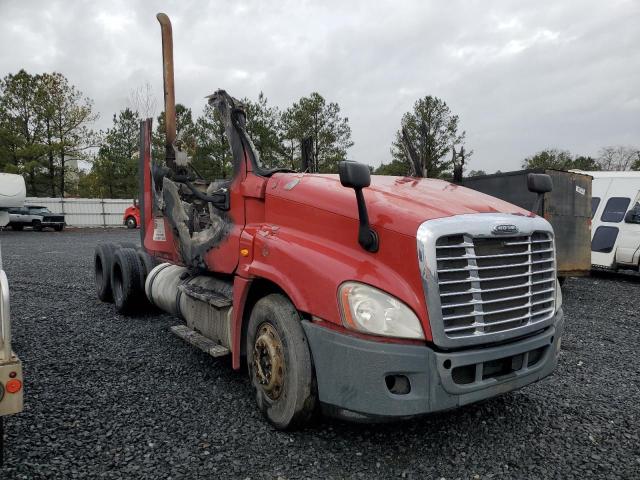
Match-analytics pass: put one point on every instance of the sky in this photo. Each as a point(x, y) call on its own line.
point(522, 76)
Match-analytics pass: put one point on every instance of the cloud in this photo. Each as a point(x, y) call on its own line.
point(522, 77)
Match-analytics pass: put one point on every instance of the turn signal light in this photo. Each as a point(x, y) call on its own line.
point(13, 386)
point(244, 252)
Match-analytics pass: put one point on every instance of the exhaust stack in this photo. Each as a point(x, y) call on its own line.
point(169, 87)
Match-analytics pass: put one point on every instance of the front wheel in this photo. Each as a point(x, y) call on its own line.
point(130, 222)
point(37, 225)
point(279, 363)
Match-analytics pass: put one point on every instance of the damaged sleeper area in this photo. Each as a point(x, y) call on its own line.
point(196, 208)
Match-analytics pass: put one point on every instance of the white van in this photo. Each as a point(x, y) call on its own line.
point(615, 213)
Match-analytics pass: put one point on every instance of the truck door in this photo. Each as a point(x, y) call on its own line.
point(628, 248)
point(223, 257)
point(24, 216)
point(606, 234)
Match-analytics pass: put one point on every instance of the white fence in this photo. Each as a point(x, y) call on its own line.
point(86, 212)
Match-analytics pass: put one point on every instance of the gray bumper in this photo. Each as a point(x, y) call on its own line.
point(351, 372)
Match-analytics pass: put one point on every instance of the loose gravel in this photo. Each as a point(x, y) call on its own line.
point(109, 396)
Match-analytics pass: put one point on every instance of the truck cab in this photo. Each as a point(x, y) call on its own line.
point(368, 297)
point(131, 216)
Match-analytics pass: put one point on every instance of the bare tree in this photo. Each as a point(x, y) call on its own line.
point(457, 160)
point(416, 169)
point(618, 157)
point(143, 101)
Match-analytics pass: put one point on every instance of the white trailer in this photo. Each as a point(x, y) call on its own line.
point(615, 212)
point(12, 194)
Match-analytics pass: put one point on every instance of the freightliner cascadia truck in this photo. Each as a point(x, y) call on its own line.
point(364, 297)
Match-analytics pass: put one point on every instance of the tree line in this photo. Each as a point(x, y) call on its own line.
point(46, 132)
point(45, 124)
point(612, 158)
point(47, 135)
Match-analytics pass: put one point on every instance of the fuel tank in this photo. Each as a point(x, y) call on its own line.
point(203, 301)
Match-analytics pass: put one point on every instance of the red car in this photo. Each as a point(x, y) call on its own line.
point(131, 217)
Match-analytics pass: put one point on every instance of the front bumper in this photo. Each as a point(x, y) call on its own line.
point(352, 373)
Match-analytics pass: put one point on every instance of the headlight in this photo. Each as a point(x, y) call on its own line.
point(367, 309)
point(558, 295)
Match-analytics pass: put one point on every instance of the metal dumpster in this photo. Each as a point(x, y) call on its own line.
point(567, 207)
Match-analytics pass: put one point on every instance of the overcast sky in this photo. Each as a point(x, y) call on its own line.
point(522, 76)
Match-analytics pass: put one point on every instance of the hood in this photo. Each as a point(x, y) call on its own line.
point(395, 203)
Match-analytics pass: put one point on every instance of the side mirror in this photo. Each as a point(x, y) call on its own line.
point(633, 215)
point(354, 174)
point(539, 183)
point(358, 176)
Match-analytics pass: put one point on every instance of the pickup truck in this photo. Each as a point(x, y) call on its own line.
point(36, 217)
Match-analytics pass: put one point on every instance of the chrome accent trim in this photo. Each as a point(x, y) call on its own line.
point(496, 267)
point(470, 227)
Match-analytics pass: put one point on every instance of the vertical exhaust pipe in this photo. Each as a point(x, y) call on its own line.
point(169, 88)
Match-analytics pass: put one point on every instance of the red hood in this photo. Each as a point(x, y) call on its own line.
point(396, 203)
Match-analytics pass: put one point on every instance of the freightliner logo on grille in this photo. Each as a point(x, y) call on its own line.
point(504, 229)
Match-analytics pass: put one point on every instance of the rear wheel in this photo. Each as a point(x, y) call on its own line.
point(58, 228)
point(37, 225)
point(102, 262)
point(149, 262)
point(279, 363)
point(127, 280)
point(130, 222)
point(17, 228)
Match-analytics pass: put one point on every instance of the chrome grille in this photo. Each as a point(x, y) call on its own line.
point(494, 284)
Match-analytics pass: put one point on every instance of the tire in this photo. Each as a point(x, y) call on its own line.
point(130, 222)
point(149, 262)
point(275, 334)
point(37, 225)
point(58, 228)
point(561, 280)
point(129, 245)
point(17, 228)
point(127, 280)
point(102, 263)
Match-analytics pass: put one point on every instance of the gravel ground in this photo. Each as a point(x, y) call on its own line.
point(114, 397)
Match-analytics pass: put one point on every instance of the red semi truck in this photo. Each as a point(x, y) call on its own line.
point(131, 216)
point(369, 297)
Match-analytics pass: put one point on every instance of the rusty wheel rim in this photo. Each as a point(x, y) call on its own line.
point(268, 361)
